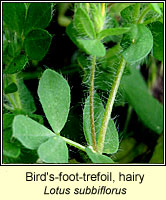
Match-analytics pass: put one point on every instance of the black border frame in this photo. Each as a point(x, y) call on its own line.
point(1, 155)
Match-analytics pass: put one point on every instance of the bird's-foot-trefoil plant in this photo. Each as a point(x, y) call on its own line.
point(89, 30)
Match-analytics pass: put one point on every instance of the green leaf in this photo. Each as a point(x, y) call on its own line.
point(112, 31)
point(11, 150)
point(26, 157)
point(14, 16)
point(27, 101)
point(107, 70)
point(17, 64)
point(35, 117)
point(139, 42)
point(158, 156)
point(149, 110)
point(112, 23)
point(22, 97)
point(96, 16)
point(111, 60)
point(118, 7)
point(7, 120)
point(10, 147)
point(7, 133)
point(137, 151)
point(83, 24)
point(98, 158)
point(54, 95)
point(128, 14)
point(11, 49)
point(29, 132)
point(39, 16)
point(111, 142)
point(53, 150)
point(73, 34)
point(126, 146)
point(161, 5)
point(72, 127)
point(11, 88)
point(93, 47)
point(5, 41)
point(37, 43)
point(12, 43)
point(157, 32)
point(156, 7)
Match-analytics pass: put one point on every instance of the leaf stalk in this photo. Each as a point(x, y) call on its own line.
point(74, 144)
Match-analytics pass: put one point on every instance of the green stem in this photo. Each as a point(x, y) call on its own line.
point(16, 94)
point(92, 103)
point(144, 13)
point(87, 7)
point(11, 101)
point(29, 75)
point(9, 97)
point(152, 78)
point(136, 13)
point(74, 144)
point(8, 107)
point(108, 109)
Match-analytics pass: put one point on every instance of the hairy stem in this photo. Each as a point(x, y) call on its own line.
point(109, 105)
point(74, 144)
point(136, 12)
point(144, 13)
point(92, 103)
